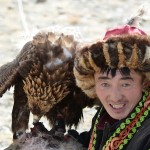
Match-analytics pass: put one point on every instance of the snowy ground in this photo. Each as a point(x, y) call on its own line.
point(87, 20)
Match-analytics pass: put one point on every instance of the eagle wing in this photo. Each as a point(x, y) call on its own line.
point(10, 71)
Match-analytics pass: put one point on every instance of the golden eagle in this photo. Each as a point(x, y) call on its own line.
point(44, 83)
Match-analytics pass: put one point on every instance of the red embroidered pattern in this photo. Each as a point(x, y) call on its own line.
point(91, 142)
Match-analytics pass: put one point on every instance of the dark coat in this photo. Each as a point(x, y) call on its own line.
point(140, 141)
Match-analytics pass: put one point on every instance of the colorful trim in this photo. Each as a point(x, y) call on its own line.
point(127, 129)
point(94, 135)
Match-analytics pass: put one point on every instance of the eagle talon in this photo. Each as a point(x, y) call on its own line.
point(38, 127)
point(59, 127)
point(17, 135)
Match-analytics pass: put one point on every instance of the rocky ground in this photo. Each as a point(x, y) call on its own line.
point(87, 20)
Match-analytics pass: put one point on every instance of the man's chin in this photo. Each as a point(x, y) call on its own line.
point(118, 116)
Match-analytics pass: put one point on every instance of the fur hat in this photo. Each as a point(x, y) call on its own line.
point(123, 46)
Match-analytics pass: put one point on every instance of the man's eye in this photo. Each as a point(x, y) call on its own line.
point(105, 85)
point(125, 85)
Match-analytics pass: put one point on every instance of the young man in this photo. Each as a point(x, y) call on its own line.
point(116, 71)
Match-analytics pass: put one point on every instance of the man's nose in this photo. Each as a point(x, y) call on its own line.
point(116, 94)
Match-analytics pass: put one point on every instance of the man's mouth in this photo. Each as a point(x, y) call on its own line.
point(117, 106)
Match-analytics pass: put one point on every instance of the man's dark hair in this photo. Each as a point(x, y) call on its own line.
point(125, 71)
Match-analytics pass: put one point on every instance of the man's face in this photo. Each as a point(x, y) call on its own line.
point(120, 94)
